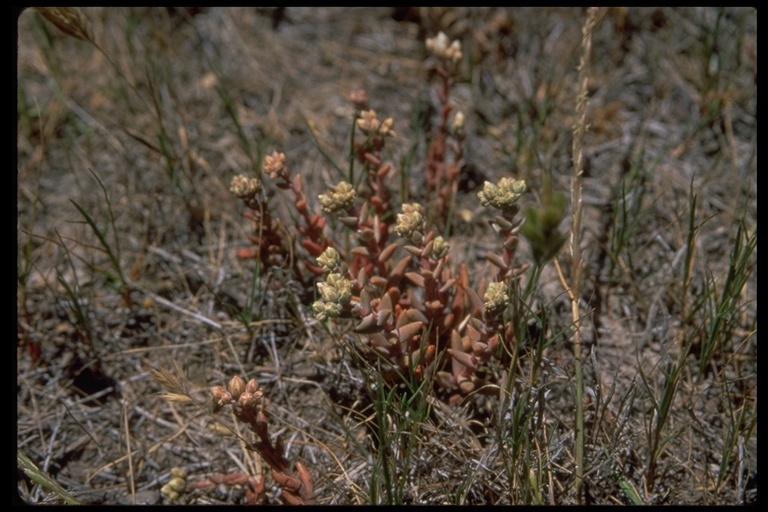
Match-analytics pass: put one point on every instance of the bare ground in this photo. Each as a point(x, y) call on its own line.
point(672, 108)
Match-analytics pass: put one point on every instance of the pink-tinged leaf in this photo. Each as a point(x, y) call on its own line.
point(473, 334)
point(448, 321)
point(447, 285)
point(365, 302)
point(384, 351)
point(286, 482)
point(412, 315)
point(307, 487)
point(247, 253)
point(456, 343)
point(467, 360)
point(362, 278)
point(413, 250)
point(377, 229)
point(445, 380)
point(379, 281)
point(476, 301)
point(510, 243)
point(415, 278)
point(311, 247)
point(367, 234)
point(387, 253)
point(367, 324)
point(398, 270)
point(504, 223)
point(394, 294)
point(467, 386)
point(496, 260)
point(519, 270)
point(384, 316)
point(291, 499)
point(361, 251)
point(379, 340)
point(318, 271)
point(493, 343)
point(405, 332)
point(423, 356)
point(386, 303)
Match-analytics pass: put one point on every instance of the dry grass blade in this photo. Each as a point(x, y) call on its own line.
point(70, 20)
point(39, 477)
point(429, 360)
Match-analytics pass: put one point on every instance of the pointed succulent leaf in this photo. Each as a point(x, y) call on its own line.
point(415, 278)
point(387, 253)
point(412, 315)
point(367, 324)
point(386, 303)
point(496, 260)
point(361, 251)
point(408, 330)
point(463, 358)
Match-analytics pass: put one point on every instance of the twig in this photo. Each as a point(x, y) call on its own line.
point(171, 305)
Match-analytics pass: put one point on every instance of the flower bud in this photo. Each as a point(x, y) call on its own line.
point(274, 164)
point(330, 260)
point(440, 247)
point(495, 298)
point(369, 124)
point(236, 386)
point(323, 310)
point(247, 189)
point(338, 198)
point(252, 386)
point(410, 221)
point(503, 195)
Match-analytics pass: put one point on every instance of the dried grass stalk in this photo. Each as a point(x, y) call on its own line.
point(70, 20)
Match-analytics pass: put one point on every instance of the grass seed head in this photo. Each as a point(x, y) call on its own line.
point(70, 20)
